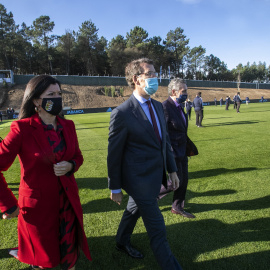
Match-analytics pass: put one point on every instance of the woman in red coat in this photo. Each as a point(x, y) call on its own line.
point(50, 217)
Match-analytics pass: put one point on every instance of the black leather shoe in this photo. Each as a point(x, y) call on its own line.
point(182, 212)
point(131, 251)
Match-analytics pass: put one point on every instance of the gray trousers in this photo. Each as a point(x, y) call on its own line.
point(238, 106)
point(155, 227)
point(199, 117)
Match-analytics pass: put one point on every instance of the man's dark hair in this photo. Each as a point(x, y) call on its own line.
point(134, 68)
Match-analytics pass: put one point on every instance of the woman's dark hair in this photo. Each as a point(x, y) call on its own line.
point(34, 89)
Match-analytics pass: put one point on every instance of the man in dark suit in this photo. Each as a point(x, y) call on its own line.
point(198, 108)
point(177, 123)
point(139, 154)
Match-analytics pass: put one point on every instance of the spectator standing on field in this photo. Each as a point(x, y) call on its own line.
point(188, 106)
point(227, 102)
point(198, 108)
point(238, 101)
point(221, 101)
point(234, 101)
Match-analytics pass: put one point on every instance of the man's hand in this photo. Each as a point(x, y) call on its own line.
point(175, 180)
point(14, 214)
point(117, 197)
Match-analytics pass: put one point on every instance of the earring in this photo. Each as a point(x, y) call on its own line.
point(37, 109)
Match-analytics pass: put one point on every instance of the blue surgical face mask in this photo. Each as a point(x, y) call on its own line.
point(182, 98)
point(151, 86)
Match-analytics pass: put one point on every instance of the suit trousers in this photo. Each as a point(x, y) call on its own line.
point(199, 116)
point(238, 106)
point(155, 227)
point(182, 173)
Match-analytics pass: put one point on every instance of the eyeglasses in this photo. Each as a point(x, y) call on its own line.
point(150, 74)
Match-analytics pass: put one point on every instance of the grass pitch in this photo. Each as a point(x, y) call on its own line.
point(228, 192)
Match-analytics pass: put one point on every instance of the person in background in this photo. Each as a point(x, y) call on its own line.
point(50, 217)
point(188, 106)
point(139, 154)
point(247, 100)
point(227, 102)
point(1, 116)
point(234, 101)
point(221, 102)
point(177, 127)
point(215, 101)
point(238, 101)
point(198, 108)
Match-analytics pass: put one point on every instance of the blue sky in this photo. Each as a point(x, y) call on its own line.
point(236, 31)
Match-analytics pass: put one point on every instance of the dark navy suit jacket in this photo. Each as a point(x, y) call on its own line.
point(177, 127)
point(136, 161)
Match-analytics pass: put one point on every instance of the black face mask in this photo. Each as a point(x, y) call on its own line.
point(52, 105)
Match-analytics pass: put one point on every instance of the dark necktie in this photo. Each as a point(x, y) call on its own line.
point(153, 118)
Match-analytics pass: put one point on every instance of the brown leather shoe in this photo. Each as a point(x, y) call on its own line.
point(183, 213)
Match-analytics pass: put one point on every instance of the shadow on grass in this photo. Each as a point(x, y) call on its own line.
point(102, 183)
point(254, 204)
point(104, 205)
point(92, 183)
point(14, 188)
point(4, 253)
point(233, 123)
point(92, 123)
point(256, 111)
point(216, 139)
point(232, 262)
point(219, 118)
point(92, 128)
point(217, 171)
point(191, 243)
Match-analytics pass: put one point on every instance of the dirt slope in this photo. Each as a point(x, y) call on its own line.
point(77, 97)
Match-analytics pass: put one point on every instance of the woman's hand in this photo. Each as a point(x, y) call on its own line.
point(14, 214)
point(62, 168)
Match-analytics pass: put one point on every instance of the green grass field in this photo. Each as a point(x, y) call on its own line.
point(228, 192)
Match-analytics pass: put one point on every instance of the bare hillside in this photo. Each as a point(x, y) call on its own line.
point(77, 97)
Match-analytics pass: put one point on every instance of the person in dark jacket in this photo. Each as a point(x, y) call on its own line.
point(227, 102)
point(188, 106)
point(198, 108)
point(177, 127)
point(139, 154)
point(238, 101)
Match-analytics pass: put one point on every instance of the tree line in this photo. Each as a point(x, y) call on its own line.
point(34, 50)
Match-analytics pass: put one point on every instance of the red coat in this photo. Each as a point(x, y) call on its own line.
point(38, 221)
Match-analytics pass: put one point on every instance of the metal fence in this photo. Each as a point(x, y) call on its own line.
point(120, 81)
